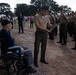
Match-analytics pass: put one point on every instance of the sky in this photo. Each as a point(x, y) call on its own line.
point(12, 3)
point(70, 3)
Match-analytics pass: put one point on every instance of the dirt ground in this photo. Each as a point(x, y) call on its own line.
point(61, 59)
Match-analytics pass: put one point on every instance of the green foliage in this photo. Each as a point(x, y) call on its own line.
point(25, 9)
point(50, 3)
point(5, 9)
point(65, 8)
point(21, 8)
point(53, 6)
point(32, 10)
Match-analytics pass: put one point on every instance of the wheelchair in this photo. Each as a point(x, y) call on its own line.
point(12, 62)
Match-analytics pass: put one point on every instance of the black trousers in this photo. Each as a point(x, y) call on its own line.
point(51, 34)
point(68, 28)
point(63, 33)
point(75, 35)
point(55, 31)
point(71, 28)
point(74, 31)
point(31, 25)
point(21, 27)
point(40, 38)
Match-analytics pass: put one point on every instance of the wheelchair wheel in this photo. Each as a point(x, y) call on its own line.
point(10, 64)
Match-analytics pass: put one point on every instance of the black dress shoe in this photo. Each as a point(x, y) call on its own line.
point(63, 43)
point(31, 70)
point(73, 40)
point(36, 65)
point(44, 62)
point(22, 32)
point(74, 48)
point(51, 38)
point(59, 42)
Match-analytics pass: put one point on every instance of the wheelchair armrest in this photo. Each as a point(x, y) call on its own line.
point(13, 47)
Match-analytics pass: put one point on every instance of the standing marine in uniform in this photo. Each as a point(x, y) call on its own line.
point(41, 22)
point(52, 21)
point(74, 31)
point(63, 29)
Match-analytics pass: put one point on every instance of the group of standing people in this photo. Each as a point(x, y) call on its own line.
point(67, 26)
point(44, 22)
point(71, 27)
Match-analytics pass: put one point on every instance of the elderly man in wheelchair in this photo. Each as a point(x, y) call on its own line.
point(8, 45)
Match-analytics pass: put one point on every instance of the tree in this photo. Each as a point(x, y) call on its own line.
point(65, 8)
point(50, 3)
point(4, 7)
point(9, 13)
point(25, 9)
point(21, 8)
point(53, 6)
point(32, 10)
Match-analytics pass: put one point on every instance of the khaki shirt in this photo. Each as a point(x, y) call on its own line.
point(63, 19)
point(41, 20)
point(72, 19)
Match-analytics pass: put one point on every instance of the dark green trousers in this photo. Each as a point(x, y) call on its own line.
point(40, 39)
point(63, 33)
point(75, 35)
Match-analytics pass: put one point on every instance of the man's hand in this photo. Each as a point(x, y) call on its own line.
point(21, 48)
point(51, 25)
point(47, 30)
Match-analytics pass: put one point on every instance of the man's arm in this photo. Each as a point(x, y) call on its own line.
point(49, 24)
